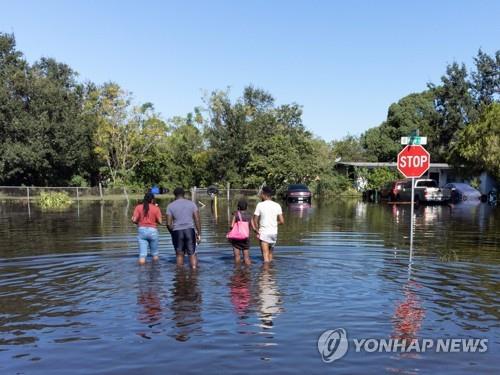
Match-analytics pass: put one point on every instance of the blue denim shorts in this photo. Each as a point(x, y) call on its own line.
point(147, 237)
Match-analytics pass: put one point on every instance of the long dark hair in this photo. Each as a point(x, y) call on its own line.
point(148, 198)
point(242, 205)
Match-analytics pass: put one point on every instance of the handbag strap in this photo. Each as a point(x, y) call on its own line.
point(239, 215)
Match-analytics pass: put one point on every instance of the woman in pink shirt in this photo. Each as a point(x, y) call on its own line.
point(146, 216)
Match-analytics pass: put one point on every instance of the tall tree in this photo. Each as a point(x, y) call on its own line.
point(281, 150)
point(124, 134)
point(187, 155)
point(252, 141)
point(486, 78)
point(479, 143)
point(455, 105)
point(44, 140)
point(414, 111)
point(350, 148)
point(226, 134)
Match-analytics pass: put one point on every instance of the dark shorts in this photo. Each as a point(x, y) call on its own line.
point(184, 241)
point(241, 244)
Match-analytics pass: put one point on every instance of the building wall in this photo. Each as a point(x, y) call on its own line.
point(487, 183)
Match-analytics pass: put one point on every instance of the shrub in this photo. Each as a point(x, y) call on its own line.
point(377, 177)
point(54, 200)
point(331, 184)
point(78, 181)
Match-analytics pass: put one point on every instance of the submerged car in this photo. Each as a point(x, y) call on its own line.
point(298, 193)
point(426, 191)
point(461, 192)
point(391, 190)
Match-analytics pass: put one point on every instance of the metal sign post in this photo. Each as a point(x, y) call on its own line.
point(412, 219)
point(413, 161)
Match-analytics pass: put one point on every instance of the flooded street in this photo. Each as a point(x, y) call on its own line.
point(73, 299)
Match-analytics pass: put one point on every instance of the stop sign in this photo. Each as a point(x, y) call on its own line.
point(413, 161)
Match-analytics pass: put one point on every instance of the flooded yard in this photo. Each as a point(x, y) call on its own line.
point(73, 299)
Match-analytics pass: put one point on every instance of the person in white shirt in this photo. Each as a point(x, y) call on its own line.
point(267, 216)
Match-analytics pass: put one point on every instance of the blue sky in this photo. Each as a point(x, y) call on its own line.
point(344, 62)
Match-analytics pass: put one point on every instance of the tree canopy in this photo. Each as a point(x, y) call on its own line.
point(445, 113)
point(479, 143)
point(56, 130)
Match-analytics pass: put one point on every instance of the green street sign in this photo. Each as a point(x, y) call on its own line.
point(414, 140)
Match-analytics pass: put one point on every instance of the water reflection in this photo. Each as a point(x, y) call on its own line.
point(299, 210)
point(361, 210)
point(150, 296)
point(270, 303)
point(186, 304)
point(409, 314)
point(240, 284)
point(339, 264)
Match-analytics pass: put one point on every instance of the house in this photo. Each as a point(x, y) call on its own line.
point(442, 173)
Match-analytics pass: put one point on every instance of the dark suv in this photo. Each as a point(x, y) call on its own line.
point(298, 193)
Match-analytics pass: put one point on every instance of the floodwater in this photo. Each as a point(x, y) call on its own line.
point(73, 300)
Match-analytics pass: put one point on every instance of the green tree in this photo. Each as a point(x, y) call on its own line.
point(124, 134)
point(414, 111)
point(187, 156)
point(226, 134)
point(479, 143)
point(486, 78)
point(253, 141)
point(378, 177)
point(281, 150)
point(44, 139)
point(455, 106)
point(350, 148)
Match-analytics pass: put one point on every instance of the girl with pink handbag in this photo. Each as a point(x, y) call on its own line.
point(239, 235)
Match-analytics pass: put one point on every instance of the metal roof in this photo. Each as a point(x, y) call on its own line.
point(366, 164)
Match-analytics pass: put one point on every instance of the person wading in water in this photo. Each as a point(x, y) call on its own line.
point(183, 218)
point(146, 216)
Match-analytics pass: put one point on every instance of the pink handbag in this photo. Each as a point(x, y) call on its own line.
point(239, 231)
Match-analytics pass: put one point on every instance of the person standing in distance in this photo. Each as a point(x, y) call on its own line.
point(267, 216)
point(183, 218)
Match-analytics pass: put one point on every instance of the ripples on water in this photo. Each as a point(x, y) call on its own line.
point(73, 299)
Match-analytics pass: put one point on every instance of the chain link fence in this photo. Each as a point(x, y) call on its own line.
point(82, 193)
point(33, 192)
point(200, 193)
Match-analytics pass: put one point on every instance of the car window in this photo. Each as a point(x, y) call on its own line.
point(297, 187)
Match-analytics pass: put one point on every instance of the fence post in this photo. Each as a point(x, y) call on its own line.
point(29, 208)
point(193, 194)
point(77, 194)
point(228, 186)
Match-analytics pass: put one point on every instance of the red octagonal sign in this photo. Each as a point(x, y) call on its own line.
point(413, 161)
